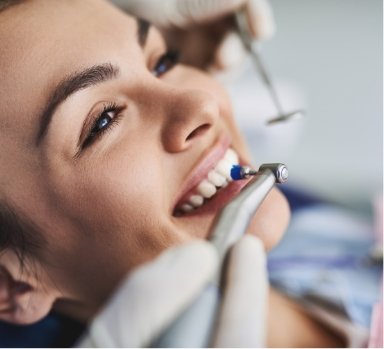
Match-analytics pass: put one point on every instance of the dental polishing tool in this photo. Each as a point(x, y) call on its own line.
point(244, 172)
point(196, 325)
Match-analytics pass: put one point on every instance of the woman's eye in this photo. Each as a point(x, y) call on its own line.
point(104, 121)
point(165, 63)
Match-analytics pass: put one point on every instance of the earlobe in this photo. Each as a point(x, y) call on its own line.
point(20, 302)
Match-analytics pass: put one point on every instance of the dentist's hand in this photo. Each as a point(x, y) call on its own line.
point(153, 296)
point(204, 31)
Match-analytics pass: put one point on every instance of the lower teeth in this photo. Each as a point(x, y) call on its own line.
point(193, 204)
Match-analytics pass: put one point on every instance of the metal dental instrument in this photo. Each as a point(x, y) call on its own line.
point(236, 216)
point(195, 327)
point(244, 172)
point(251, 46)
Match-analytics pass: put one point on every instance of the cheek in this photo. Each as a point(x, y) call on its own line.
point(127, 199)
point(120, 221)
point(122, 214)
point(271, 219)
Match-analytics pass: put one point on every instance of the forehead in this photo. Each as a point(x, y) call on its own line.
point(43, 40)
point(38, 31)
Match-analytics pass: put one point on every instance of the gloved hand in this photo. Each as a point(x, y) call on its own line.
point(153, 296)
point(204, 30)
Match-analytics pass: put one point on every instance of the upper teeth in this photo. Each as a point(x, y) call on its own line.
point(216, 179)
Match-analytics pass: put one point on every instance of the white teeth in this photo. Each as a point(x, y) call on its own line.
point(196, 200)
point(186, 208)
point(224, 168)
point(231, 156)
point(216, 178)
point(206, 189)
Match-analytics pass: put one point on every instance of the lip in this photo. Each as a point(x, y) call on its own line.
point(200, 171)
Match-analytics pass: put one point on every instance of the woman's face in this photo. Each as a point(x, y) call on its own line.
point(107, 141)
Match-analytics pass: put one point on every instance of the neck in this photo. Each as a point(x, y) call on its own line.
point(290, 326)
point(76, 310)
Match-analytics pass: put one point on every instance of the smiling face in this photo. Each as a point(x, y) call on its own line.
point(110, 143)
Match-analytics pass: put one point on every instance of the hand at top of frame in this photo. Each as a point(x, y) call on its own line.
point(204, 30)
point(155, 294)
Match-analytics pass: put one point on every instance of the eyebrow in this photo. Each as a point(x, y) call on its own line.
point(80, 80)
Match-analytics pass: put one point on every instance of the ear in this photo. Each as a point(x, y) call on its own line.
point(23, 299)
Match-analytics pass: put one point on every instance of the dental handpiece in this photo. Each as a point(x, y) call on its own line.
point(195, 327)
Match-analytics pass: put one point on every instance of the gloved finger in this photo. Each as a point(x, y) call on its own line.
point(230, 53)
point(183, 13)
point(153, 296)
point(179, 13)
point(193, 12)
point(260, 19)
point(243, 314)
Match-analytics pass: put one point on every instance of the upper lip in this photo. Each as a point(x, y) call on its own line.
point(200, 171)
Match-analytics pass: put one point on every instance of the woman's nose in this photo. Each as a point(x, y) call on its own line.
point(190, 115)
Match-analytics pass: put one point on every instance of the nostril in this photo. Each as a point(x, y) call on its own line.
point(198, 131)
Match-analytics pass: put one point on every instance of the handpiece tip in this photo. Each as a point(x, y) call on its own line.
point(279, 170)
point(241, 172)
point(236, 172)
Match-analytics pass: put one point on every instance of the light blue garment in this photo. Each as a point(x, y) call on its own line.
point(324, 258)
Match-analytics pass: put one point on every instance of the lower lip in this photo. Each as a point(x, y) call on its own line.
point(224, 196)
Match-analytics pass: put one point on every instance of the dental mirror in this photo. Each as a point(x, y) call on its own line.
point(251, 46)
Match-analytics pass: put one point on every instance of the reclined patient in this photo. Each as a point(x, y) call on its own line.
point(112, 152)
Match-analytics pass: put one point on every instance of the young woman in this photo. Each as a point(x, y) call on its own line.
point(111, 153)
point(106, 138)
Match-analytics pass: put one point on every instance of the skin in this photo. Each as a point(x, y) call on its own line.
point(102, 211)
point(105, 201)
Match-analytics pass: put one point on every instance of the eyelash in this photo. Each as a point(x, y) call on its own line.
point(94, 134)
point(164, 64)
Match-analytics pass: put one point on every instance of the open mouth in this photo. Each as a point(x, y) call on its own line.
point(217, 183)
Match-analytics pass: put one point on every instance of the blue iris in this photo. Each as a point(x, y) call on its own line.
point(103, 122)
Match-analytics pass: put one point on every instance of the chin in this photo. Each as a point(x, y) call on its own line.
point(269, 223)
point(271, 219)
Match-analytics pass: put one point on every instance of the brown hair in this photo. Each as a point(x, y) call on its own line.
point(17, 232)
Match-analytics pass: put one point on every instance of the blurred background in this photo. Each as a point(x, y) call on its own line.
point(327, 57)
